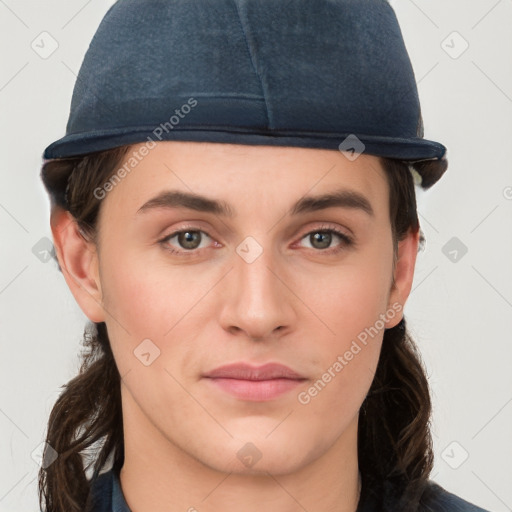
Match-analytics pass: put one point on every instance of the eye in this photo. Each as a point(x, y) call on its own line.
point(187, 240)
point(322, 238)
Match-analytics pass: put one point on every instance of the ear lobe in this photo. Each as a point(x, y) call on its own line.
point(78, 261)
point(403, 274)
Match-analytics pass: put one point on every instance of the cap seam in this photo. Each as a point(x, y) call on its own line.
point(251, 56)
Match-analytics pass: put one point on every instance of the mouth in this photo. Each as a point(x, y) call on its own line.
point(255, 383)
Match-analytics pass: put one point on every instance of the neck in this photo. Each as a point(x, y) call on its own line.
point(158, 476)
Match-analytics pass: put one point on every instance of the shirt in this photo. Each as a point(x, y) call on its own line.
point(107, 496)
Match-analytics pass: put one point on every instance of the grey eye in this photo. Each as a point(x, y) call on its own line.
point(320, 240)
point(189, 239)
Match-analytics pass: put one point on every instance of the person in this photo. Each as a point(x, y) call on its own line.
point(233, 208)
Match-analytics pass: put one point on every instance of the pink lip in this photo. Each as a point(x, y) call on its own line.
point(256, 383)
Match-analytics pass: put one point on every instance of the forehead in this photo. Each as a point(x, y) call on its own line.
point(239, 175)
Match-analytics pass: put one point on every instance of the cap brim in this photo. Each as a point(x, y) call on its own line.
point(415, 149)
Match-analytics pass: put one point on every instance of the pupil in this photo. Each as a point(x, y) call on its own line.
point(324, 238)
point(188, 239)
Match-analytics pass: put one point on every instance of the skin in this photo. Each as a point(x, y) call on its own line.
point(295, 304)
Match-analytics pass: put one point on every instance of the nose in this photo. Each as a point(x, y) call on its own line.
point(259, 302)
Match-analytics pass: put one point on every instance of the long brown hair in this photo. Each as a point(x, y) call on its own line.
point(86, 423)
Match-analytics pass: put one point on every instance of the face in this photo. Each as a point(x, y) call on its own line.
point(275, 278)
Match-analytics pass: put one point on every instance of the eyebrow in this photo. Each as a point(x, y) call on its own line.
point(341, 198)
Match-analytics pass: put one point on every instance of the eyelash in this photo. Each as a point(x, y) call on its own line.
point(347, 241)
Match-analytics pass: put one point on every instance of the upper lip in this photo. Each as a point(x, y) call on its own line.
point(244, 371)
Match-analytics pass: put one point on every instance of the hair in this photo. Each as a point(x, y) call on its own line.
point(394, 439)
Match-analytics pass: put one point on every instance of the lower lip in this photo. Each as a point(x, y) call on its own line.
point(256, 390)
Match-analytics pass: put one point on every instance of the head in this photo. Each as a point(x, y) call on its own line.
point(254, 267)
point(255, 282)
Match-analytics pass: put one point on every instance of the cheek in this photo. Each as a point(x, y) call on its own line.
point(135, 300)
point(350, 304)
point(349, 298)
point(157, 310)
point(143, 290)
point(349, 348)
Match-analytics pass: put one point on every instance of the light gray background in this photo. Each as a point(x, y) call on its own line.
point(459, 311)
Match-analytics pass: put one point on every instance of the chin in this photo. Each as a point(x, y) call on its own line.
point(277, 457)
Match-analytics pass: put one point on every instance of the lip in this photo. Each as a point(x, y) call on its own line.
point(255, 383)
point(246, 371)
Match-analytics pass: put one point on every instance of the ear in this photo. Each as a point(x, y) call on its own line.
point(403, 274)
point(78, 261)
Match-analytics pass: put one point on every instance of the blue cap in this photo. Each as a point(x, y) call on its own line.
point(327, 74)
